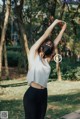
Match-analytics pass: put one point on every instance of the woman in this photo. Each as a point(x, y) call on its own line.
point(41, 53)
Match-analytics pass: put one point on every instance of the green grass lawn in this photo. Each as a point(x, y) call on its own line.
point(63, 98)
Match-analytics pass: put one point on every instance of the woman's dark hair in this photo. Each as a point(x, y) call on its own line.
point(47, 48)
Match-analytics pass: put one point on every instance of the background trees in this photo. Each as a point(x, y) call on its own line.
point(27, 22)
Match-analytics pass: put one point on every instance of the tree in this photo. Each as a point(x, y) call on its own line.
point(7, 13)
point(19, 19)
point(6, 61)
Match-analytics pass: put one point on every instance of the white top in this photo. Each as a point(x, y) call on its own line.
point(39, 72)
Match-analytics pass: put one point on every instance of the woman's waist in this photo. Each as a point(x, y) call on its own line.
point(36, 85)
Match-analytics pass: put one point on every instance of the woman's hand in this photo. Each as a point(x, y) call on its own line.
point(64, 26)
point(57, 21)
point(61, 23)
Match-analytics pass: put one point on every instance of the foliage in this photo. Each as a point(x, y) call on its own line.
point(53, 74)
point(15, 58)
point(77, 73)
point(70, 70)
point(37, 16)
point(14, 48)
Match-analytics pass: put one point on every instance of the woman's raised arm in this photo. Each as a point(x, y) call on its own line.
point(44, 36)
point(58, 38)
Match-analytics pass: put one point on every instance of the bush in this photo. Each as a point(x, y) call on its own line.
point(14, 48)
point(16, 59)
point(70, 69)
point(53, 73)
point(77, 73)
point(13, 58)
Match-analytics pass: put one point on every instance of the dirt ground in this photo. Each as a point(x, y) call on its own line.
point(14, 73)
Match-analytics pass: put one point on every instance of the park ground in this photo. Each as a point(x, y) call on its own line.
point(63, 98)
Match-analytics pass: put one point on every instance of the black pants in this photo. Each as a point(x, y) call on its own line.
point(35, 103)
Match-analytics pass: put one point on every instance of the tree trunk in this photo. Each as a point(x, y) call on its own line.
point(18, 12)
point(62, 11)
point(6, 62)
point(22, 44)
point(58, 67)
point(0, 61)
point(4, 31)
point(23, 34)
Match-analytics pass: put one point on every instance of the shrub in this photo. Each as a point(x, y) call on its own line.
point(13, 58)
point(70, 69)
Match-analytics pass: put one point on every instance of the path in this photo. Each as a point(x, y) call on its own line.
point(73, 115)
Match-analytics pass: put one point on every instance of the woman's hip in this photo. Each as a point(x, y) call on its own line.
point(34, 93)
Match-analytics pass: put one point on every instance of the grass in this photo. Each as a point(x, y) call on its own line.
point(63, 98)
point(63, 104)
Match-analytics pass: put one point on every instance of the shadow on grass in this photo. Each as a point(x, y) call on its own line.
point(14, 107)
point(65, 99)
point(14, 85)
point(58, 105)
